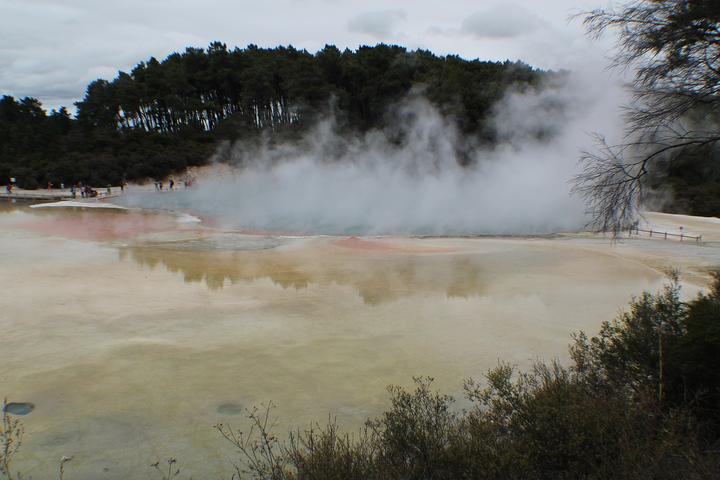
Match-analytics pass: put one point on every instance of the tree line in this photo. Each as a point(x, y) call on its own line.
point(165, 116)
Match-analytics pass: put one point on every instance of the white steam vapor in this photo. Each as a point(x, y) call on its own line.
point(374, 185)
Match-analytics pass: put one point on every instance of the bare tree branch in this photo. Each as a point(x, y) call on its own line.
point(673, 46)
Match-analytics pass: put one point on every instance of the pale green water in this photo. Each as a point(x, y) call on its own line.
point(132, 347)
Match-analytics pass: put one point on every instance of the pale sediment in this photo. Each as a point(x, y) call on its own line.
point(134, 338)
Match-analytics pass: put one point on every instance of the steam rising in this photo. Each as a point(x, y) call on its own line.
point(407, 179)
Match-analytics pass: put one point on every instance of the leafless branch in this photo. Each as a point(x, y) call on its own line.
point(673, 46)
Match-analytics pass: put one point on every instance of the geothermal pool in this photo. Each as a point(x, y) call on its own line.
point(133, 332)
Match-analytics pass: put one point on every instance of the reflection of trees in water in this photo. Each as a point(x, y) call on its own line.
point(377, 278)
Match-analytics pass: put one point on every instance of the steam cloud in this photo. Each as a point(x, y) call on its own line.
point(375, 184)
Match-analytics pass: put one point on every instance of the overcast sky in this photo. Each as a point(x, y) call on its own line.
point(51, 49)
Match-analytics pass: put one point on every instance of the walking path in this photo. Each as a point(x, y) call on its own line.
point(55, 194)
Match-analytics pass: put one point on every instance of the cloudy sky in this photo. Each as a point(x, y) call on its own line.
point(51, 49)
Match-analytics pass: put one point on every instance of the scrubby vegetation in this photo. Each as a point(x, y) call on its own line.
point(641, 400)
point(167, 115)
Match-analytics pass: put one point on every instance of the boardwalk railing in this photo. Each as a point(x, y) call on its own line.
point(665, 235)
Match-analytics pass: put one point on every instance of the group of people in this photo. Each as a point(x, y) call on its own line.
point(89, 192)
point(171, 184)
point(85, 191)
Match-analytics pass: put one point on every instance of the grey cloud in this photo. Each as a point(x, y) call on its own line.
point(56, 62)
point(51, 49)
point(378, 24)
point(502, 21)
point(439, 31)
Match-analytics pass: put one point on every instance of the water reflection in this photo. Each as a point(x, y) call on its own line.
point(8, 205)
point(377, 277)
point(121, 361)
point(90, 224)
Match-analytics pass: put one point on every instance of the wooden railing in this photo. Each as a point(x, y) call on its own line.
point(665, 235)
